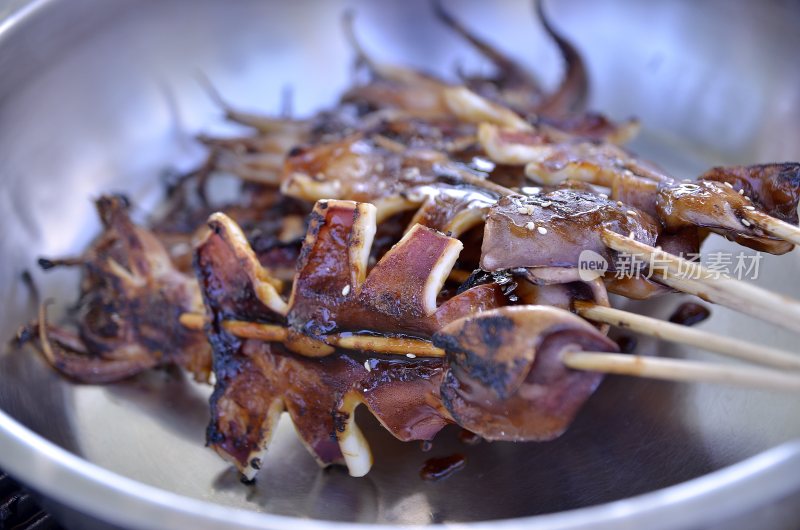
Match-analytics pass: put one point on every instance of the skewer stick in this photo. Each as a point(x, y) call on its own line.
point(255, 330)
point(388, 345)
point(695, 279)
point(193, 321)
point(703, 340)
point(667, 369)
point(409, 347)
point(774, 227)
point(680, 370)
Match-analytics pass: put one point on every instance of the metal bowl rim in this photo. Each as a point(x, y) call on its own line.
point(66, 477)
point(80, 484)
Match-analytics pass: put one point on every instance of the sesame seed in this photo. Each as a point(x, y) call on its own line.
point(630, 212)
point(367, 366)
point(602, 195)
point(751, 208)
point(545, 204)
point(748, 198)
point(542, 230)
point(346, 290)
point(741, 191)
point(411, 356)
point(619, 203)
point(530, 225)
point(522, 209)
point(728, 184)
point(531, 210)
point(745, 222)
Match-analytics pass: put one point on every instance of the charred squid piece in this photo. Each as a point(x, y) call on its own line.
point(561, 294)
point(131, 301)
point(589, 126)
point(273, 223)
point(551, 157)
point(450, 209)
point(333, 302)
point(423, 96)
point(403, 395)
point(718, 208)
point(512, 84)
point(504, 378)
point(251, 383)
point(67, 353)
point(571, 95)
point(363, 169)
point(393, 87)
point(397, 132)
point(332, 292)
point(234, 283)
point(333, 298)
point(257, 158)
point(256, 382)
point(548, 234)
point(282, 125)
point(259, 380)
point(562, 288)
point(553, 229)
point(773, 188)
point(356, 168)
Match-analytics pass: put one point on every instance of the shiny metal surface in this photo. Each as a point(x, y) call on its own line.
point(103, 95)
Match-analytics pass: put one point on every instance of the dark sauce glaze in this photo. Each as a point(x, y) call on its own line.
point(689, 314)
point(469, 437)
point(441, 468)
point(627, 343)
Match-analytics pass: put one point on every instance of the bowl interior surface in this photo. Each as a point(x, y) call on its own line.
point(104, 96)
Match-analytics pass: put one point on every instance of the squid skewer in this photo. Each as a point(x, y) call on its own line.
point(555, 220)
point(773, 188)
point(504, 257)
point(500, 367)
point(711, 202)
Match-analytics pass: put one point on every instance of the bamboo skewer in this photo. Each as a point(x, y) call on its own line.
point(409, 347)
point(681, 370)
point(703, 340)
point(774, 226)
point(388, 345)
point(695, 279)
point(633, 365)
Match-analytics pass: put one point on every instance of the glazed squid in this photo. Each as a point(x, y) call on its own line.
point(414, 249)
point(131, 300)
point(333, 344)
point(709, 204)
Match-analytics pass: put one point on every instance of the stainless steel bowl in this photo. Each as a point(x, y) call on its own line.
point(103, 95)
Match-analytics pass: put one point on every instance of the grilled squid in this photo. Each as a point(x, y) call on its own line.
point(131, 301)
